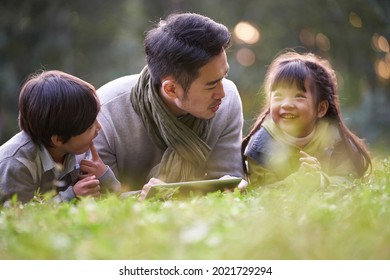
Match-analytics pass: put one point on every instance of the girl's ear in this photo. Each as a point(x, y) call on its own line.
point(322, 108)
point(56, 140)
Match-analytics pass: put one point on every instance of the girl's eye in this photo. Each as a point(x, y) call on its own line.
point(276, 95)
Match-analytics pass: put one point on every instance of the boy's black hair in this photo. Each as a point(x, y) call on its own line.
point(56, 103)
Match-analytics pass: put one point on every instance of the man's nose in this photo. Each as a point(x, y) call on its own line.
point(219, 92)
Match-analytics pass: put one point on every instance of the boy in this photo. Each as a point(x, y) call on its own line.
point(57, 119)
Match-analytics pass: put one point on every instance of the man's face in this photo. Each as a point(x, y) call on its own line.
point(206, 92)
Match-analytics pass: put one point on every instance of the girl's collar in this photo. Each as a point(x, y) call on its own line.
point(299, 141)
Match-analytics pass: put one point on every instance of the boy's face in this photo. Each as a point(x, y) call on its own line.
point(80, 143)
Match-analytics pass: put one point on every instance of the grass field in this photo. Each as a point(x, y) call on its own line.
point(293, 222)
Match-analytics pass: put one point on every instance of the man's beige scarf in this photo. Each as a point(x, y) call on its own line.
point(183, 139)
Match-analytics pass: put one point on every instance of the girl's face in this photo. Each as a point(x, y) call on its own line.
point(294, 110)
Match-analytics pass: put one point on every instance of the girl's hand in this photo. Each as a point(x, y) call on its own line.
point(308, 163)
point(94, 166)
point(309, 173)
point(87, 186)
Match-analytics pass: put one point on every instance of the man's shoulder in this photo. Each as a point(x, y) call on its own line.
point(116, 88)
point(232, 99)
point(229, 86)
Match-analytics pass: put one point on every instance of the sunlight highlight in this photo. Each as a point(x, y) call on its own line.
point(355, 20)
point(382, 69)
point(322, 42)
point(380, 43)
point(307, 37)
point(247, 33)
point(245, 57)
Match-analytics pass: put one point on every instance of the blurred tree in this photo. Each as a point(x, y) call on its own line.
point(102, 40)
point(78, 37)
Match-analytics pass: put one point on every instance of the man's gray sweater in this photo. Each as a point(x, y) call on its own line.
point(123, 142)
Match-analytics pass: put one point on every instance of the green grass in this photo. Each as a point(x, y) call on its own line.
point(293, 222)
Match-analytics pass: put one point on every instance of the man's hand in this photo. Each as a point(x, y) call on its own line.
point(147, 186)
point(241, 186)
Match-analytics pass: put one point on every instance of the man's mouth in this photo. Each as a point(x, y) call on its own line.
point(215, 107)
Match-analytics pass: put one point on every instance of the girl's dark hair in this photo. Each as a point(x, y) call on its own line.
point(292, 68)
point(182, 44)
point(56, 103)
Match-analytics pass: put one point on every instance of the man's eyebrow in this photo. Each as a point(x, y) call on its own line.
point(213, 82)
point(216, 81)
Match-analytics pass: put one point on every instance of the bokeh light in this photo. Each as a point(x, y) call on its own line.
point(382, 69)
point(383, 44)
point(245, 57)
point(380, 43)
point(307, 37)
point(355, 20)
point(322, 42)
point(246, 32)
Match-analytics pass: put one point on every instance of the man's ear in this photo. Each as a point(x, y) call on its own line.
point(57, 140)
point(322, 108)
point(169, 88)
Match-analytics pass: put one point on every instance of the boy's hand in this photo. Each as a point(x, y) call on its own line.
point(87, 186)
point(94, 166)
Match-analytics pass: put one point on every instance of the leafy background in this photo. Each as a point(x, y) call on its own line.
point(102, 40)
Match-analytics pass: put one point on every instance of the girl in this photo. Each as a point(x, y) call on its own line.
point(57, 118)
point(300, 136)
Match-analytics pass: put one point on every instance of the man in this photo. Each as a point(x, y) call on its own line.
point(179, 119)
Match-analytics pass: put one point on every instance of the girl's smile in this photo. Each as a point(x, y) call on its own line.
point(294, 110)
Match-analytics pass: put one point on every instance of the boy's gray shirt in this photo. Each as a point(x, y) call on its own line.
point(123, 142)
point(26, 168)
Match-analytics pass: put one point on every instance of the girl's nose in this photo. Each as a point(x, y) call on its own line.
point(287, 104)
